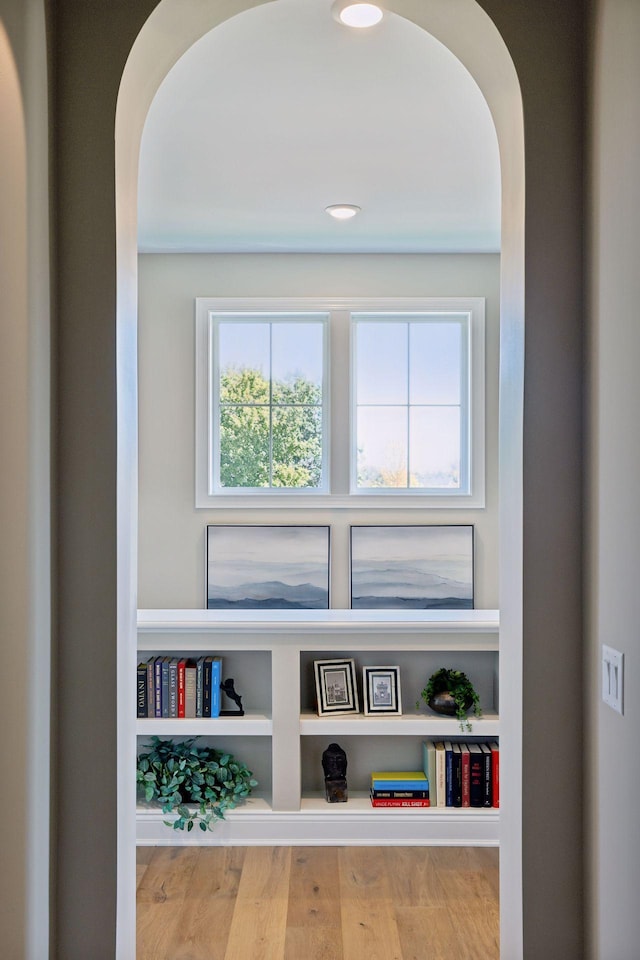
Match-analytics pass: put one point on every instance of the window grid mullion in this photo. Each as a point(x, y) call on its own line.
point(270, 405)
point(414, 406)
point(298, 406)
point(408, 476)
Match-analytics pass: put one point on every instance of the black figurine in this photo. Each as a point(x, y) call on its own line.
point(334, 764)
point(228, 688)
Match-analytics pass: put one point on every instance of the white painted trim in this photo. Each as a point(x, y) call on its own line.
point(317, 823)
point(25, 478)
point(297, 622)
point(437, 728)
point(251, 725)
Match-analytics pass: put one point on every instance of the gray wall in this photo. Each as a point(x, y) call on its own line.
point(90, 44)
point(171, 531)
point(613, 774)
point(546, 41)
point(91, 41)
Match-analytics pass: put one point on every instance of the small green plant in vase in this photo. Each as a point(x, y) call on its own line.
point(176, 774)
point(452, 693)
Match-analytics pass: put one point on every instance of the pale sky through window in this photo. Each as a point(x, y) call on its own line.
point(408, 387)
point(409, 362)
point(297, 349)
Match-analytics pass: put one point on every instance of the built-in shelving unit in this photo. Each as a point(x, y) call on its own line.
point(270, 654)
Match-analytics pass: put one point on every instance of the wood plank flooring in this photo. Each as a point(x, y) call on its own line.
point(317, 903)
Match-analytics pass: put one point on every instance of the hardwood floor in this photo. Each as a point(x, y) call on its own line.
point(317, 903)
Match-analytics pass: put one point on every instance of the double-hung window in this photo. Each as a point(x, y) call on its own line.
point(267, 401)
point(411, 386)
point(340, 403)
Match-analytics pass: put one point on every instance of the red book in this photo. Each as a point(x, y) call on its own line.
point(400, 803)
point(181, 687)
point(495, 773)
point(466, 775)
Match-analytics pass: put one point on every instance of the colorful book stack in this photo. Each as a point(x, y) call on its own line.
point(179, 687)
point(462, 774)
point(400, 789)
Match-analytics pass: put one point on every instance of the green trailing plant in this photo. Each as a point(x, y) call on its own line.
point(461, 692)
point(176, 774)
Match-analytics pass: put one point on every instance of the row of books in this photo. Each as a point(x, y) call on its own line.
point(179, 687)
point(454, 774)
point(462, 774)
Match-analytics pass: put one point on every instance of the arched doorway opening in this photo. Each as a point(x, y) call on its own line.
point(469, 34)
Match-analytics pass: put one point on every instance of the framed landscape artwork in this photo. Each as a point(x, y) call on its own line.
point(267, 567)
point(412, 567)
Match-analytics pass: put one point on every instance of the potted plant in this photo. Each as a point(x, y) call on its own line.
point(452, 693)
point(176, 774)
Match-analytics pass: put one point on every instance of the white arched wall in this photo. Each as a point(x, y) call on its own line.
point(471, 35)
point(25, 558)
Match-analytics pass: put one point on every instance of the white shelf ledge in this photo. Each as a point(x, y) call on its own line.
point(318, 823)
point(359, 805)
point(406, 725)
point(318, 621)
point(251, 725)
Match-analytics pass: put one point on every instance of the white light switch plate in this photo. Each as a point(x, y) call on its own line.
point(612, 677)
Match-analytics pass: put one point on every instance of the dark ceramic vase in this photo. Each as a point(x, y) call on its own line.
point(444, 703)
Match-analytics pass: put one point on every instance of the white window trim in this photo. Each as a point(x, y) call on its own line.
point(339, 400)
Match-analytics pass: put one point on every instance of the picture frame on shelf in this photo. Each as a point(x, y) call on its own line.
point(336, 687)
point(381, 691)
point(412, 567)
point(267, 567)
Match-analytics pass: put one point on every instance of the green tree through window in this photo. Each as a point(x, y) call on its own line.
point(270, 433)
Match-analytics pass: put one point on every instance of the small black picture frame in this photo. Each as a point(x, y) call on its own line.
point(336, 687)
point(381, 691)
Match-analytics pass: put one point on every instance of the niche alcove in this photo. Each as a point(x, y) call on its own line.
point(168, 33)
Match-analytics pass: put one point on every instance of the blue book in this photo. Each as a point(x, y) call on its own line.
point(448, 754)
point(165, 686)
point(216, 679)
point(411, 780)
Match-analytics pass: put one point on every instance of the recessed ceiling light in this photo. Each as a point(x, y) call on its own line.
point(342, 211)
point(357, 14)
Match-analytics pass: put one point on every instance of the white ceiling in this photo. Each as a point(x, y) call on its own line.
point(281, 111)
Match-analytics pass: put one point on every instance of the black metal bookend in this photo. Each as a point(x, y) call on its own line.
point(227, 687)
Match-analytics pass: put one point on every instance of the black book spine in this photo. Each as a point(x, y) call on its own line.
point(476, 785)
point(206, 688)
point(142, 690)
point(457, 778)
point(157, 686)
point(487, 792)
point(165, 686)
